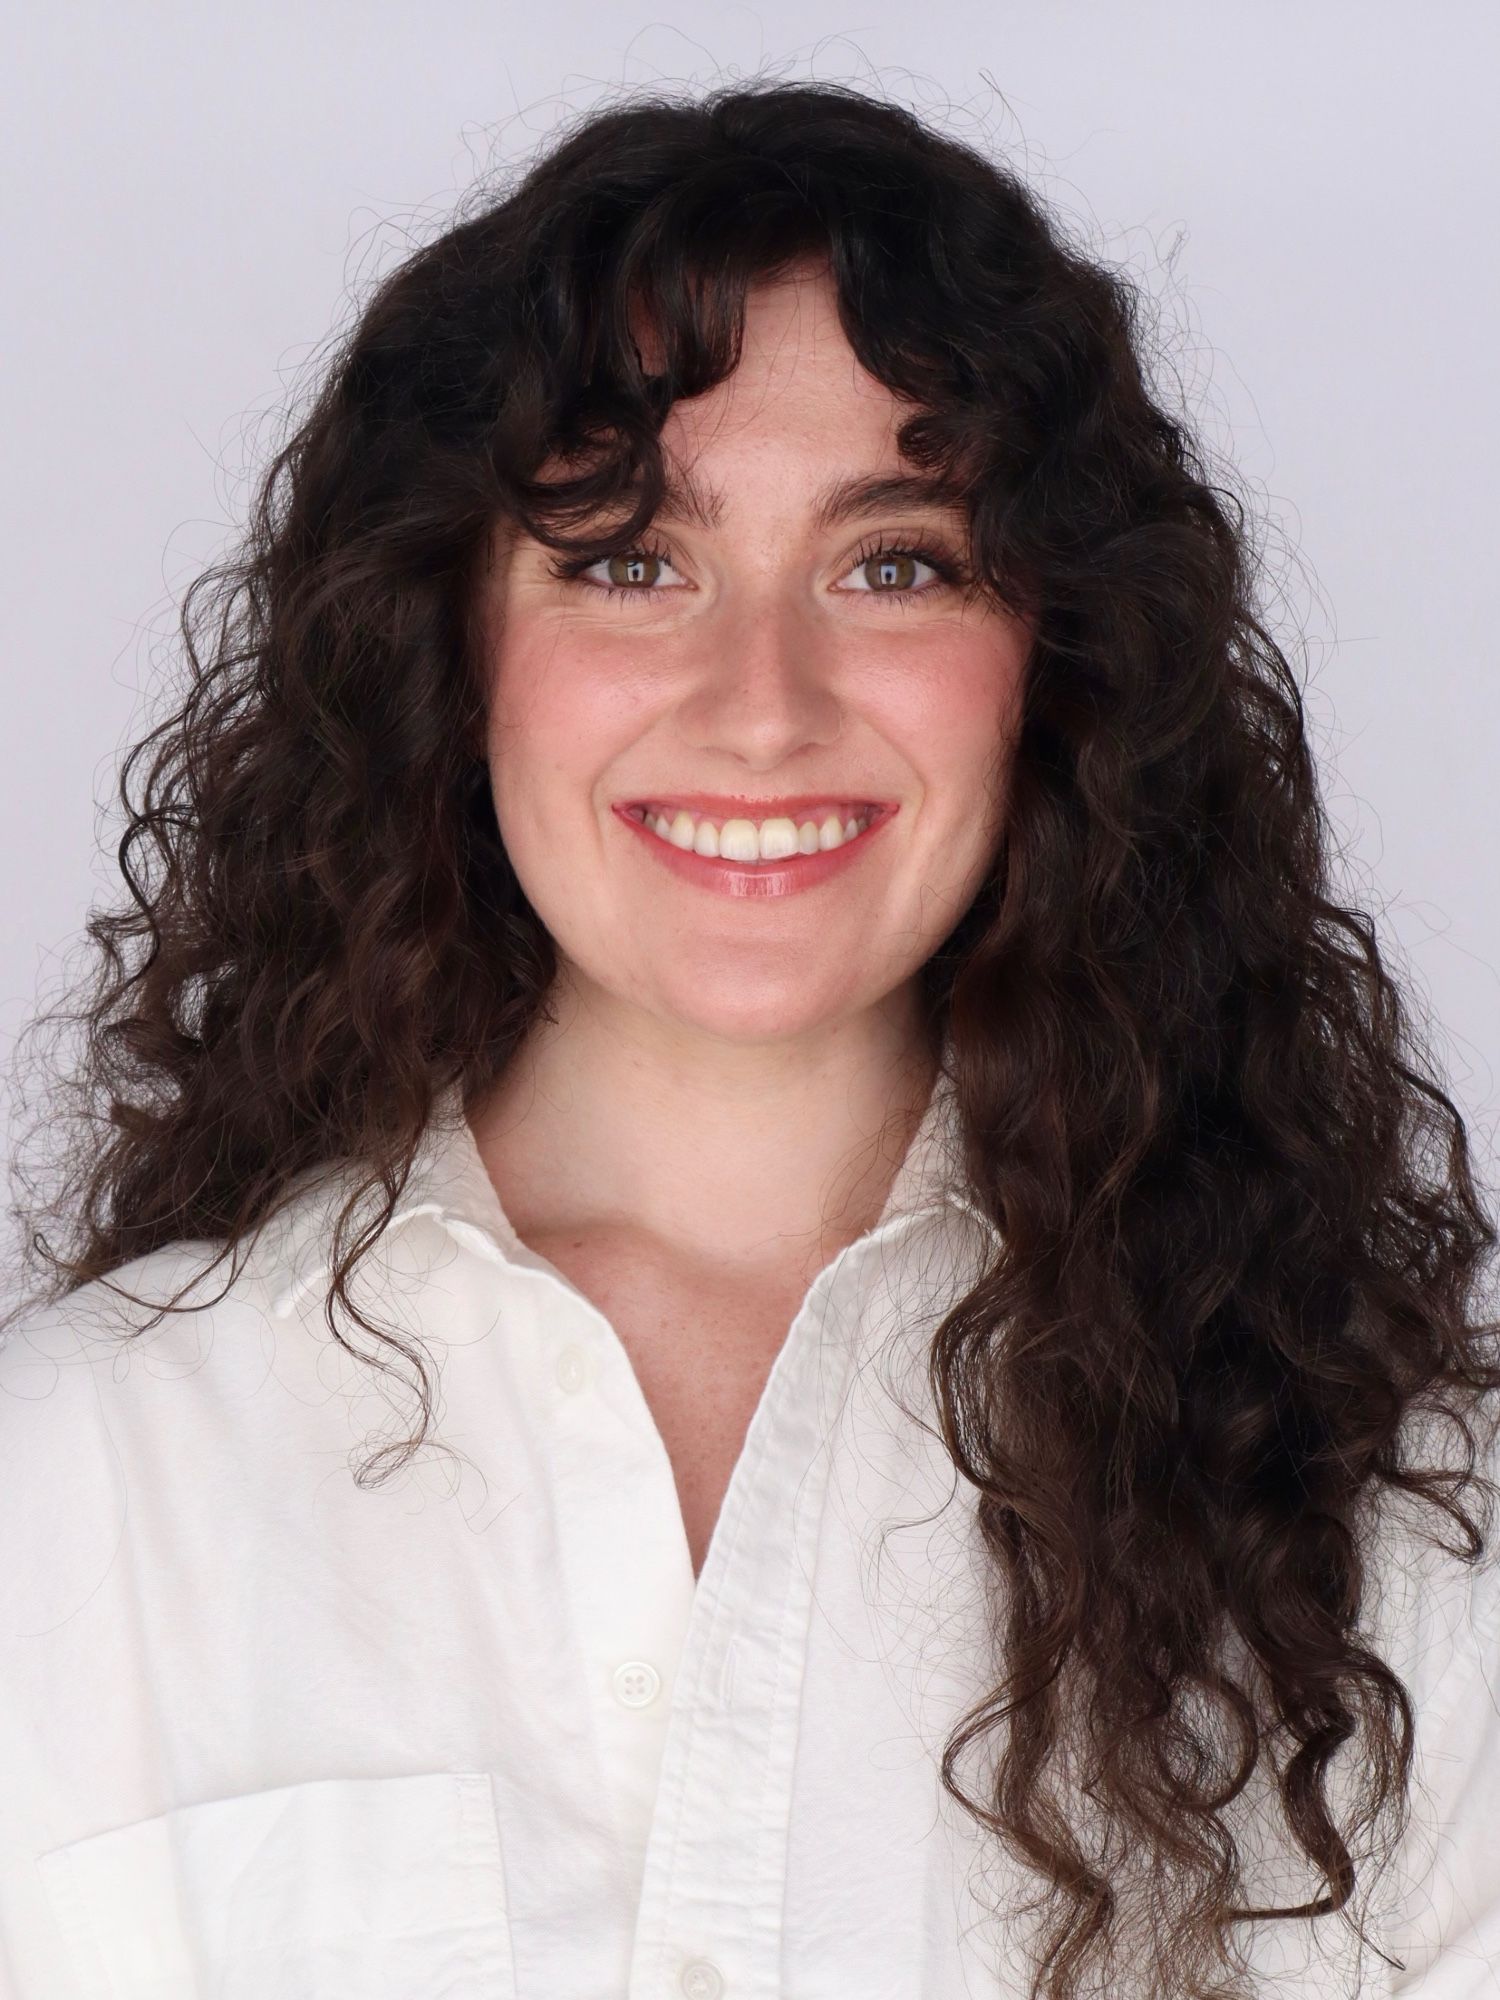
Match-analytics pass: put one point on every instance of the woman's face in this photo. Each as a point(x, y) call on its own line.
point(764, 664)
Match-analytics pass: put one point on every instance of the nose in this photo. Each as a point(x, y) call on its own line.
point(767, 688)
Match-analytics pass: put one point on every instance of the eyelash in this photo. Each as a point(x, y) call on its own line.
point(949, 572)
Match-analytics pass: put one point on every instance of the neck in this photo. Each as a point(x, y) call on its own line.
point(718, 1151)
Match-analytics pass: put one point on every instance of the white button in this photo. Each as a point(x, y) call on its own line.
point(636, 1683)
point(701, 1979)
point(572, 1370)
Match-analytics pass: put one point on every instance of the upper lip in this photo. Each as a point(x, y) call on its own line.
point(726, 806)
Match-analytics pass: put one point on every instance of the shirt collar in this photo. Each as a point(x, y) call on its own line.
point(449, 1180)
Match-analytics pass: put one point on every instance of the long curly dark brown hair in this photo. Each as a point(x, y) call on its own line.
point(1241, 1241)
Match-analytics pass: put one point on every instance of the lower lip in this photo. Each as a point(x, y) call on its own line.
point(758, 878)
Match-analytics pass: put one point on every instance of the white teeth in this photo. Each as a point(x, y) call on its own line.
point(744, 840)
point(737, 841)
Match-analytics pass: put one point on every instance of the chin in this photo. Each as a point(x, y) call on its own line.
point(750, 1013)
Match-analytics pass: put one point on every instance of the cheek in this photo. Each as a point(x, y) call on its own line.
point(554, 723)
point(957, 721)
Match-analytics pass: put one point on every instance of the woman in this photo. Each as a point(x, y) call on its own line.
point(735, 929)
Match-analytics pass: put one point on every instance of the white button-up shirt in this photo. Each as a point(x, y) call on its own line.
point(476, 1733)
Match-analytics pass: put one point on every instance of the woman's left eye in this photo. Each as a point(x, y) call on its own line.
point(893, 565)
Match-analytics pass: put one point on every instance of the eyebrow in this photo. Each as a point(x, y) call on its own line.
point(837, 500)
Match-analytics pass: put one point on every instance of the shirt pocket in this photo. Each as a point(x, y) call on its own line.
point(385, 1888)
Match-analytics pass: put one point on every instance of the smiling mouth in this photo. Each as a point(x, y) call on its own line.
point(763, 842)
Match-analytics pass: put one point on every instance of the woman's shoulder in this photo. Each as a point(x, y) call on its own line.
point(190, 1311)
point(1428, 1602)
point(158, 1303)
point(1434, 1620)
point(171, 1387)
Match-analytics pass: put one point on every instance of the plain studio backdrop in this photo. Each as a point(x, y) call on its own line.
point(197, 199)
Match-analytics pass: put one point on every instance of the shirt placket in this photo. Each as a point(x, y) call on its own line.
point(709, 1920)
point(623, 1558)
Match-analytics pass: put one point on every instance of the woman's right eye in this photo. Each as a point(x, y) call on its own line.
point(632, 564)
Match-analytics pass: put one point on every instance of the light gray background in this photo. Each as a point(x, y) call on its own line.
point(197, 197)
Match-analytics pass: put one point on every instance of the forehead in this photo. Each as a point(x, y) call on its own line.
point(694, 498)
point(797, 407)
point(740, 456)
point(798, 303)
